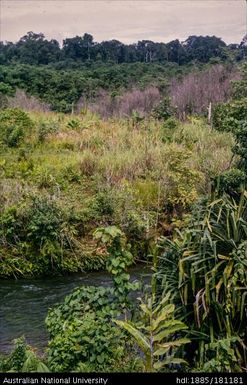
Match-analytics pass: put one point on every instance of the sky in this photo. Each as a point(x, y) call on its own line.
point(124, 20)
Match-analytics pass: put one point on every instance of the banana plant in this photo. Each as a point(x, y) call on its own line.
point(158, 336)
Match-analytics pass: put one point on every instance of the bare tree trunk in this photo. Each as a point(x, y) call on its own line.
point(210, 114)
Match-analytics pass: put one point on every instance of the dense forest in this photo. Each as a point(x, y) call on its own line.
point(34, 49)
point(115, 155)
point(60, 76)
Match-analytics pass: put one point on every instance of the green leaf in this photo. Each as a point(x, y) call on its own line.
point(164, 348)
point(164, 314)
point(140, 339)
point(169, 361)
point(170, 328)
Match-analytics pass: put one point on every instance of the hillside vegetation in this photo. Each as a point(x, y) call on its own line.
point(80, 69)
point(133, 173)
point(69, 175)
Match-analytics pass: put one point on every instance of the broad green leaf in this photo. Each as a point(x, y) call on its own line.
point(163, 348)
point(164, 314)
point(169, 361)
point(170, 328)
point(141, 340)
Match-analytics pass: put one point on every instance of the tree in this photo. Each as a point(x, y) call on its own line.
point(176, 52)
point(202, 48)
point(78, 48)
point(33, 49)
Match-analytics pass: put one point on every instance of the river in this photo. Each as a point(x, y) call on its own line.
point(24, 303)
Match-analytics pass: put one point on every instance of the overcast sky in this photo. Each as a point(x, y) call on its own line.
point(124, 20)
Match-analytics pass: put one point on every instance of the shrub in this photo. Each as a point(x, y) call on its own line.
point(157, 334)
point(15, 124)
point(240, 86)
point(119, 259)
point(171, 123)
point(104, 203)
point(220, 356)
point(82, 335)
point(45, 128)
point(230, 181)
point(164, 110)
point(182, 180)
point(240, 147)
point(74, 124)
point(44, 222)
point(230, 116)
point(40, 235)
point(22, 359)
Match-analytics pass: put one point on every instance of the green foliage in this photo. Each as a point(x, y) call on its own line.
point(34, 49)
point(240, 147)
point(74, 124)
point(240, 86)
point(15, 124)
point(40, 237)
point(82, 333)
point(119, 259)
point(155, 334)
point(5, 89)
point(233, 117)
point(66, 86)
point(211, 262)
point(44, 129)
point(104, 203)
point(230, 181)
point(182, 179)
point(230, 116)
point(44, 222)
point(203, 48)
point(164, 110)
point(220, 356)
point(22, 359)
point(171, 123)
point(81, 330)
point(75, 181)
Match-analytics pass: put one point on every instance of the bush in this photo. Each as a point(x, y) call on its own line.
point(74, 124)
point(46, 128)
point(230, 116)
point(104, 203)
point(240, 87)
point(230, 181)
point(22, 359)
point(164, 110)
point(15, 125)
point(82, 335)
point(171, 123)
point(182, 180)
point(240, 147)
point(40, 235)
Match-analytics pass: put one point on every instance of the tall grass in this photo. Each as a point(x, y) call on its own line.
point(113, 172)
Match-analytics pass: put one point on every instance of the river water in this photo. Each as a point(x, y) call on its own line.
point(24, 303)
